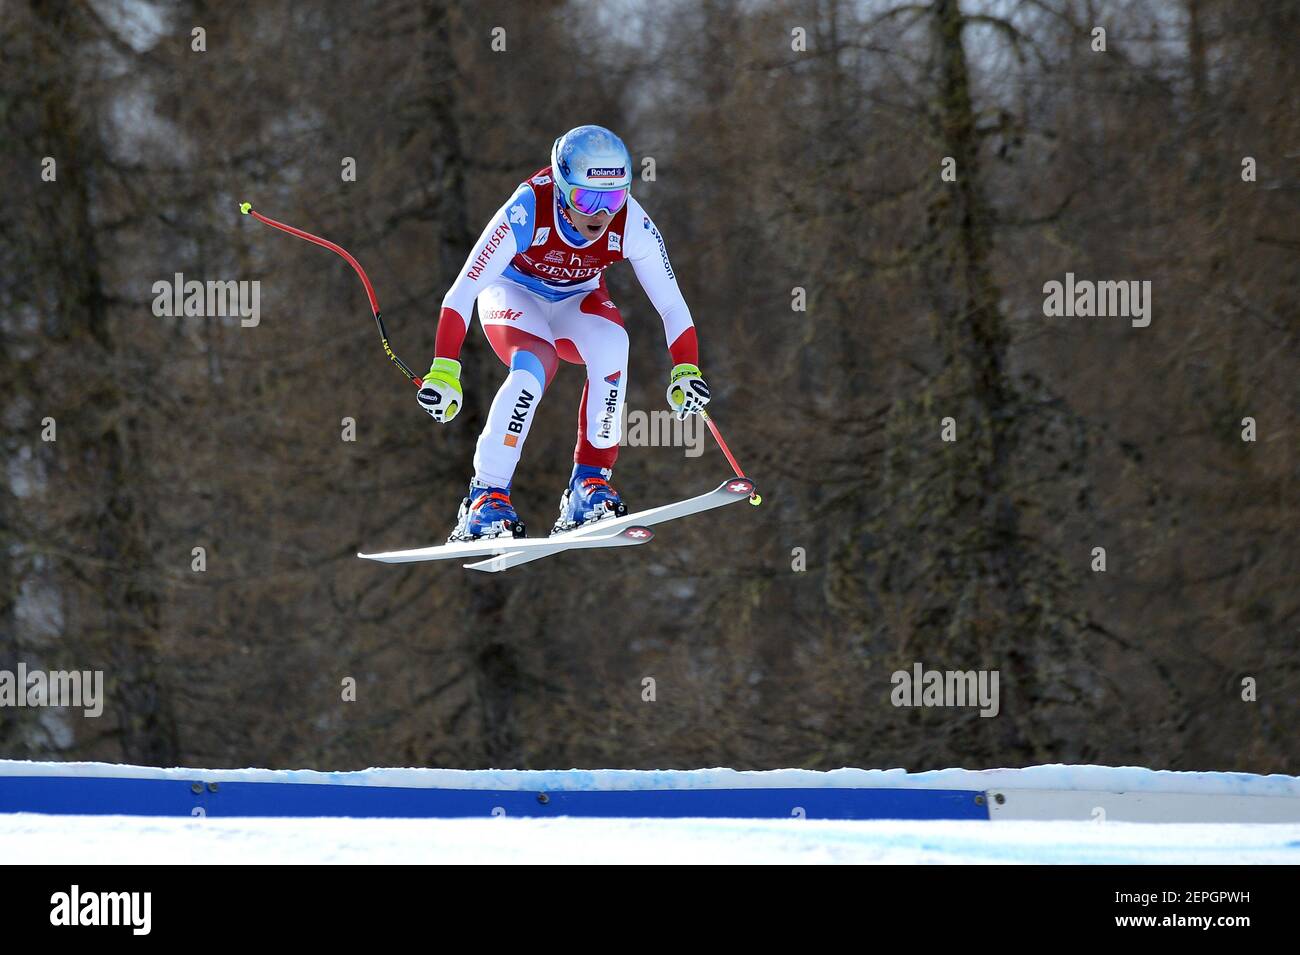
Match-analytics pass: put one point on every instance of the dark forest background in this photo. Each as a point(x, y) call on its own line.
point(775, 170)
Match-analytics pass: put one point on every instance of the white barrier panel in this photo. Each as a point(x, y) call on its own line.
point(1056, 777)
point(1099, 806)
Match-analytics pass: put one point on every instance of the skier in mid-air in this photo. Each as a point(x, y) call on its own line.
point(537, 273)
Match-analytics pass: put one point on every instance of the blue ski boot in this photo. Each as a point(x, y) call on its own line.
point(588, 498)
point(486, 512)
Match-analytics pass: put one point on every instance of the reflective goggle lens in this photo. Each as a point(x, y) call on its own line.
point(591, 201)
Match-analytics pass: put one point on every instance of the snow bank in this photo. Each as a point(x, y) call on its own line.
point(52, 840)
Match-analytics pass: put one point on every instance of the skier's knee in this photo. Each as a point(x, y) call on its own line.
point(616, 342)
point(540, 366)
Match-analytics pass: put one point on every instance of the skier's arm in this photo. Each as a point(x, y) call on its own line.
point(509, 231)
point(645, 249)
point(687, 391)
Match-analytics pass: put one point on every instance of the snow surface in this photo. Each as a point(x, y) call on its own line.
point(39, 839)
point(1055, 776)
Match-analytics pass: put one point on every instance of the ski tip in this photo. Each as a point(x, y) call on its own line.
point(244, 207)
point(739, 486)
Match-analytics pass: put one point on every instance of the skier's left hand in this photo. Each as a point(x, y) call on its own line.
point(687, 392)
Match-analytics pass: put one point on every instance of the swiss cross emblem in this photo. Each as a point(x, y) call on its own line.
point(638, 533)
point(736, 487)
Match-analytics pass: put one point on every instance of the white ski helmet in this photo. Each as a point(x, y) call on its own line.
point(592, 170)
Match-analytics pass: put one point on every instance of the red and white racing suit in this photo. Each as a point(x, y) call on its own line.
point(541, 297)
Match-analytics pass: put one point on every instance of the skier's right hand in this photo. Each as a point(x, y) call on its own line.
point(441, 395)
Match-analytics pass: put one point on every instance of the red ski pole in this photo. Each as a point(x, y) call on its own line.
point(755, 498)
point(247, 209)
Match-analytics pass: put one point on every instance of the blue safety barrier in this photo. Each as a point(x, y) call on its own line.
point(98, 795)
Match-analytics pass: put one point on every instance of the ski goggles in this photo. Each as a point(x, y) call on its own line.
point(591, 201)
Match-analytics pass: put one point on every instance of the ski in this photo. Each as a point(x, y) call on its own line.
point(728, 492)
point(625, 534)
